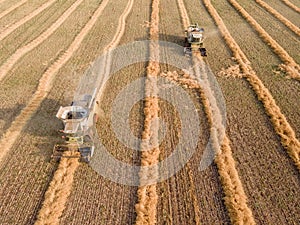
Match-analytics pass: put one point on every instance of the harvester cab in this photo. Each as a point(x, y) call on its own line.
point(79, 121)
point(194, 36)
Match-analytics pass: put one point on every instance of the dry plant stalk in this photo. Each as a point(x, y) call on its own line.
point(290, 66)
point(280, 124)
point(232, 71)
point(281, 18)
point(19, 53)
point(291, 5)
point(58, 192)
point(147, 194)
point(16, 25)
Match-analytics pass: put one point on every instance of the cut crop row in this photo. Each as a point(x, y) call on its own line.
point(282, 19)
point(19, 23)
point(11, 61)
point(290, 66)
point(280, 124)
point(147, 193)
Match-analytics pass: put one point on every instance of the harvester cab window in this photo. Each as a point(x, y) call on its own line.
point(70, 115)
point(76, 115)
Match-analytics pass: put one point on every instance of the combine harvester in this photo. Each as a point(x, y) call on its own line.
point(79, 133)
point(194, 40)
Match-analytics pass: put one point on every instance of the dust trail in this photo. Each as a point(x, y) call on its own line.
point(291, 5)
point(55, 201)
point(16, 25)
point(12, 8)
point(235, 197)
point(290, 66)
point(147, 194)
point(279, 121)
point(282, 19)
point(11, 61)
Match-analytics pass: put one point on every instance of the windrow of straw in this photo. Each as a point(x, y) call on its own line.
point(232, 71)
point(290, 66)
point(17, 55)
point(280, 123)
point(45, 85)
point(146, 207)
point(281, 18)
point(291, 5)
point(58, 192)
point(12, 8)
point(31, 15)
point(235, 197)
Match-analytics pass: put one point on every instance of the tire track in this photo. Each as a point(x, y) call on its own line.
point(290, 66)
point(55, 200)
point(235, 197)
point(279, 121)
point(16, 25)
point(146, 208)
point(291, 5)
point(281, 18)
point(12, 8)
point(10, 62)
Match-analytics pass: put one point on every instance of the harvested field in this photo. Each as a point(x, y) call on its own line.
point(290, 66)
point(253, 51)
point(291, 5)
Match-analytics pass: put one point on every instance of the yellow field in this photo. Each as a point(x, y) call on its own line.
point(253, 49)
